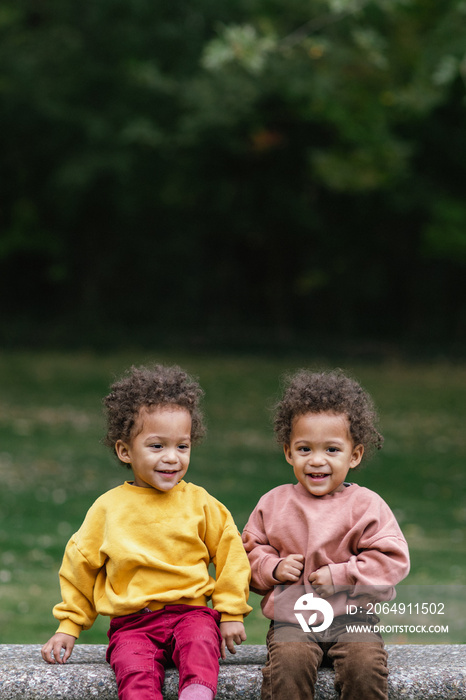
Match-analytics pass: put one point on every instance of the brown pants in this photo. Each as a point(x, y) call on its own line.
point(291, 670)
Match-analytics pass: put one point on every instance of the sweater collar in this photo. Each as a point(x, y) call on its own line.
point(152, 493)
point(329, 496)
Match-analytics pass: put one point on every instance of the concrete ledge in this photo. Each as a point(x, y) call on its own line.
point(417, 672)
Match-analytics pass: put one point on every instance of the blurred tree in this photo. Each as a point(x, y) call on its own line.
point(233, 164)
point(341, 185)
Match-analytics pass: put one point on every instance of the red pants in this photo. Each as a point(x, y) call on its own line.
point(142, 645)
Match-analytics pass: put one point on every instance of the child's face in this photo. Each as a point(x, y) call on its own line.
point(159, 454)
point(321, 452)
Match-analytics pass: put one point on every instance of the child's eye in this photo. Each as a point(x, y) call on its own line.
point(304, 449)
point(333, 449)
point(183, 447)
point(157, 446)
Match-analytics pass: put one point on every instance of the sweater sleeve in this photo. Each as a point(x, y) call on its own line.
point(77, 580)
point(382, 557)
point(81, 567)
point(263, 557)
point(232, 569)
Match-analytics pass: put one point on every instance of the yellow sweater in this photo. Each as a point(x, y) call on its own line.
point(141, 547)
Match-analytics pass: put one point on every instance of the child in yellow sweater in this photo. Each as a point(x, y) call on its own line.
point(142, 553)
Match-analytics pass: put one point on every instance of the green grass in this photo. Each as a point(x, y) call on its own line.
point(53, 466)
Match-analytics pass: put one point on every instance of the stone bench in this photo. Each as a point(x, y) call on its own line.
point(417, 672)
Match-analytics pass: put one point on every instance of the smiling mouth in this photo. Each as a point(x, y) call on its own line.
point(167, 471)
point(318, 477)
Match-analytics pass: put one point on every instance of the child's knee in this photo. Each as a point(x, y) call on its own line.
point(138, 673)
point(361, 668)
point(197, 659)
point(291, 670)
point(129, 657)
point(295, 662)
point(292, 658)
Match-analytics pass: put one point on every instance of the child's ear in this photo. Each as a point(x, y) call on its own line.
point(287, 453)
point(356, 457)
point(122, 451)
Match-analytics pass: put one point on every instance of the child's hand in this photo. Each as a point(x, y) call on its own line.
point(51, 651)
point(290, 568)
point(232, 633)
point(322, 581)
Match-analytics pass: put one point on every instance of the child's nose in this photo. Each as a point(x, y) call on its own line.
point(170, 456)
point(318, 457)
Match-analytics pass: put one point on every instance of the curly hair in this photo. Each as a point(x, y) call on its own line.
point(333, 392)
point(146, 387)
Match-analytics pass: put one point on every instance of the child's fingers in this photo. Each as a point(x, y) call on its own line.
point(295, 563)
point(230, 643)
point(46, 653)
point(297, 558)
point(324, 591)
point(290, 568)
point(67, 654)
point(52, 650)
point(232, 633)
point(57, 653)
point(242, 636)
point(321, 576)
point(293, 570)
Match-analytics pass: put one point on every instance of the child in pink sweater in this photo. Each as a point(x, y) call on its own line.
point(336, 541)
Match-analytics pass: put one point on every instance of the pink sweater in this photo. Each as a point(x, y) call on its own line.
point(352, 531)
